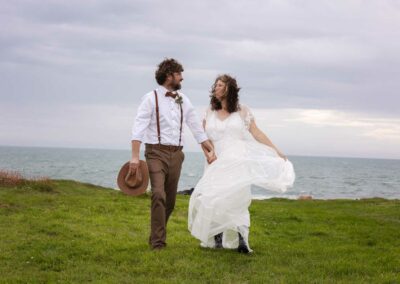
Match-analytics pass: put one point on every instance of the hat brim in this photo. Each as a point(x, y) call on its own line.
point(139, 189)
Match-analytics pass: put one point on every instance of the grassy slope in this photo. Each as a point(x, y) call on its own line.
point(81, 233)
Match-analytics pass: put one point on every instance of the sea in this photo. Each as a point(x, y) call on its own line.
point(320, 177)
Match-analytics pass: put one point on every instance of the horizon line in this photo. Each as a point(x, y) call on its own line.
point(120, 149)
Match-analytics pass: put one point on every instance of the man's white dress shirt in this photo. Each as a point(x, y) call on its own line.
point(145, 126)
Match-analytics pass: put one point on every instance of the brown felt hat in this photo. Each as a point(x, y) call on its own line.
point(133, 183)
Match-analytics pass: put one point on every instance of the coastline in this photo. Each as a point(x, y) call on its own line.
point(322, 178)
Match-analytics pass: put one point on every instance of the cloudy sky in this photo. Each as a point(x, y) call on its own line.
point(322, 77)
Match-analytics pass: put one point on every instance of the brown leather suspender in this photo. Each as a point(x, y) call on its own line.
point(180, 130)
point(158, 121)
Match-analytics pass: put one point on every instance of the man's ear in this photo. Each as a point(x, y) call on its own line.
point(169, 78)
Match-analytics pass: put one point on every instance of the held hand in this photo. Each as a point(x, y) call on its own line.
point(207, 146)
point(208, 150)
point(282, 156)
point(133, 164)
point(211, 157)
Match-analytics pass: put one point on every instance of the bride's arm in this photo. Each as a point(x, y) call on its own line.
point(205, 150)
point(262, 138)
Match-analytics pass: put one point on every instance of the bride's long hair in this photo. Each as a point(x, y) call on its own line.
point(231, 94)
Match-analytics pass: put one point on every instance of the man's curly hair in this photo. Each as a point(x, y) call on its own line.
point(167, 67)
point(231, 94)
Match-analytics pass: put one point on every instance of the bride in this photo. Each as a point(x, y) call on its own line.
point(218, 207)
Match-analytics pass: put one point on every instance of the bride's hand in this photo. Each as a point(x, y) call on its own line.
point(211, 157)
point(282, 156)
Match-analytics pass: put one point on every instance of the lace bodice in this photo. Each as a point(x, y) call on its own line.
point(235, 126)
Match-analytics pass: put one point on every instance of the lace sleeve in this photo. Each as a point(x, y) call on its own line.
point(246, 115)
point(206, 113)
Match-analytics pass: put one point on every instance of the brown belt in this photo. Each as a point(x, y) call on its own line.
point(170, 148)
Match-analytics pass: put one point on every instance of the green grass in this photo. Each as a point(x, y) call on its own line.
point(77, 233)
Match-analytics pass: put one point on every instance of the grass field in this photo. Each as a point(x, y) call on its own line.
point(71, 232)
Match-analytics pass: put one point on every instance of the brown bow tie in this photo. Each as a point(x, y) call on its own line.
point(171, 94)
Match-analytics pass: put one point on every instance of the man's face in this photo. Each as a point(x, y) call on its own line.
point(175, 80)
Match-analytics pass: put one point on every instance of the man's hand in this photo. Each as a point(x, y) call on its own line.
point(211, 157)
point(207, 146)
point(133, 164)
point(208, 150)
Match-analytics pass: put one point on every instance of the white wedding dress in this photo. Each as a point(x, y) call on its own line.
point(220, 200)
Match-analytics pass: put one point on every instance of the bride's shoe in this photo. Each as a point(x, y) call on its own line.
point(242, 248)
point(218, 241)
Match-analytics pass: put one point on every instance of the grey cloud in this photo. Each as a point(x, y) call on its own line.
point(315, 54)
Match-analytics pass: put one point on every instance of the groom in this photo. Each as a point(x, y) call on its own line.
point(159, 124)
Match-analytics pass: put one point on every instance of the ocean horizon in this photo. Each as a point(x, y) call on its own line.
point(322, 177)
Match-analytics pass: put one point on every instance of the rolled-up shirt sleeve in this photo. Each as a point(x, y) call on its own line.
point(142, 119)
point(194, 124)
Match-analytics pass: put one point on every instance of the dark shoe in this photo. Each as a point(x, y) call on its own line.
point(158, 248)
point(218, 241)
point(242, 248)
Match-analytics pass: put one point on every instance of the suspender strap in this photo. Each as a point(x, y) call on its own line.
point(180, 130)
point(158, 119)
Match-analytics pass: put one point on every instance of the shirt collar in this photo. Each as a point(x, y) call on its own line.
point(163, 90)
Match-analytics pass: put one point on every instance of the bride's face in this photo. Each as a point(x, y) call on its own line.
point(219, 91)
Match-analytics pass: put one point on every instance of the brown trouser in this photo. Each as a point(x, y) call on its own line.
point(164, 163)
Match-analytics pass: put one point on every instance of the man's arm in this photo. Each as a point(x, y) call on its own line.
point(198, 132)
point(134, 163)
point(208, 149)
point(142, 122)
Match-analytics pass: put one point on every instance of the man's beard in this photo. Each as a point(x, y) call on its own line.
point(176, 86)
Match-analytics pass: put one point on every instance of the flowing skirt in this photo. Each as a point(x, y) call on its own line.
point(221, 198)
